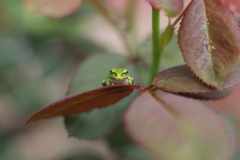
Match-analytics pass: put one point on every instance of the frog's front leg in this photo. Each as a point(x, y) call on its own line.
point(104, 83)
point(130, 80)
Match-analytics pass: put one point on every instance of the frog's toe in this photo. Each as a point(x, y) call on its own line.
point(104, 83)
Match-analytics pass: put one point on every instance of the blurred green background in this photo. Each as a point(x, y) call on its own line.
point(37, 58)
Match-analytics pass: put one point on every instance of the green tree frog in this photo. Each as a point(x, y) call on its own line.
point(118, 76)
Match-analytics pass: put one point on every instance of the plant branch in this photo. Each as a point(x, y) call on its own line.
point(156, 48)
point(104, 12)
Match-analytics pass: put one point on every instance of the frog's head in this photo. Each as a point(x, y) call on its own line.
point(119, 73)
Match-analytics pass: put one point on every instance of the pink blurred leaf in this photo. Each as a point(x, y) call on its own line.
point(172, 127)
point(230, 104)
point(181, 79)
point(83, 102)
point(170, 7)
point(52, 8)
point(209, 39)
point(155, 4)
point(233, 5)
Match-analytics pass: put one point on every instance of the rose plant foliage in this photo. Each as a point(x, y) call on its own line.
point(172, 125)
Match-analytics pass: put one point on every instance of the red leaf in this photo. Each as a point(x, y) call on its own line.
point(207, 96)
point(209, 39)
point(83, 102)
point(52, 8)
point(181, 79)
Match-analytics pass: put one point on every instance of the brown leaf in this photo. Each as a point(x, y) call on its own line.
point(181, 79)
point(207, 96)
point(83, 102)
point(209, 39)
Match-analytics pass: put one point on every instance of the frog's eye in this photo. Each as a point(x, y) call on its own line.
point(111, 72)
point(124, 73)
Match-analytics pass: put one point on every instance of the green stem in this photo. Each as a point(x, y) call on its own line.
point(122, 35)
point(156, 48)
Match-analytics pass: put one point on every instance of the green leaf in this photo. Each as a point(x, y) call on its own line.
point(181, 79)
point(84, 156)
point(99, 122)
point(167, 36)
point(173, 127)
point(120, 144)
point(209, 39)
point(89, 75)
point(5, 139)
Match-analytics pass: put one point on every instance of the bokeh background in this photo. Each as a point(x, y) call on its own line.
point(37, 58)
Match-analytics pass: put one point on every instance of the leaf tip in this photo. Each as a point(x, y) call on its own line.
point(27, 123)
point(30, 120)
